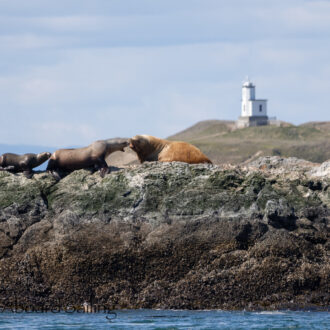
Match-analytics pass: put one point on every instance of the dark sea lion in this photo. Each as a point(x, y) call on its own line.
point(89, 157)
point(150, 148)
point(22, 163)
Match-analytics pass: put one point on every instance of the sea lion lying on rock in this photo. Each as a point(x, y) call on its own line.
point(150, 148)
point(22, 163)
point(92, 156)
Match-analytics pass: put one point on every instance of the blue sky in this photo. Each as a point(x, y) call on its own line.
point(75, 71)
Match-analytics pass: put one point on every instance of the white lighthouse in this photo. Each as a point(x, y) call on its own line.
point(253, 112)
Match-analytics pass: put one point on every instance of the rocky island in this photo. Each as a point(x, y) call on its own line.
point(169, 235)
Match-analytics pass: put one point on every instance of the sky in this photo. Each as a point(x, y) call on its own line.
point(75, 71)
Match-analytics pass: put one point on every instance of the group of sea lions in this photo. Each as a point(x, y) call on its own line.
point(147, 148)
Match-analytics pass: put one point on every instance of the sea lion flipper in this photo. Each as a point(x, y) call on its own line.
point(104, 170)
point(7, 168)
point(56, 175)
point(28, 174)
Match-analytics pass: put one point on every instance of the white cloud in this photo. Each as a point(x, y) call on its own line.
point(28, 41)
point(92, 72)
point(312, 16)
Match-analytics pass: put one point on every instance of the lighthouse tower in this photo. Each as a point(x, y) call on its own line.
point(253, 112)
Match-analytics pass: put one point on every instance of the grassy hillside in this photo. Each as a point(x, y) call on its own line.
point(223, 144)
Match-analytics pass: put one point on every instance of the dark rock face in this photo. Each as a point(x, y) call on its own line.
point(168, 236)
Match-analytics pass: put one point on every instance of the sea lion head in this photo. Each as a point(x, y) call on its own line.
point(37, 159)
point(118, 145)
point(122, 145)
point(110, 145)
point(140, 143)
point(143, 145)
point(43, 156)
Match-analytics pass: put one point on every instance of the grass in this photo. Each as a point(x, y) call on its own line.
point(219, 141)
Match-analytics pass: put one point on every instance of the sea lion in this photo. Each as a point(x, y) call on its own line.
point(150, 148)
point(22, 163)
point(92, 156)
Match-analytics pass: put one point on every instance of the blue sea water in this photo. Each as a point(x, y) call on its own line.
point(167, 319)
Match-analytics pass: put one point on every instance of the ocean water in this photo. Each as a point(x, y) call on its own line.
point(166, 319)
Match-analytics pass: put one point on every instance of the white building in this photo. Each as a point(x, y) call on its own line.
point(253, 112)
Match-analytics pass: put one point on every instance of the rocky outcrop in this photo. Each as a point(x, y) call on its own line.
point(169, 235)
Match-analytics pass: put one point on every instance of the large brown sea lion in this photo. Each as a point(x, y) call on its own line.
point(150, 148)
point(22, 163)
point(92, 156)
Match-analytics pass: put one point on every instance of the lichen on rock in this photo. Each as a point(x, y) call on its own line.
point(168, 235)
